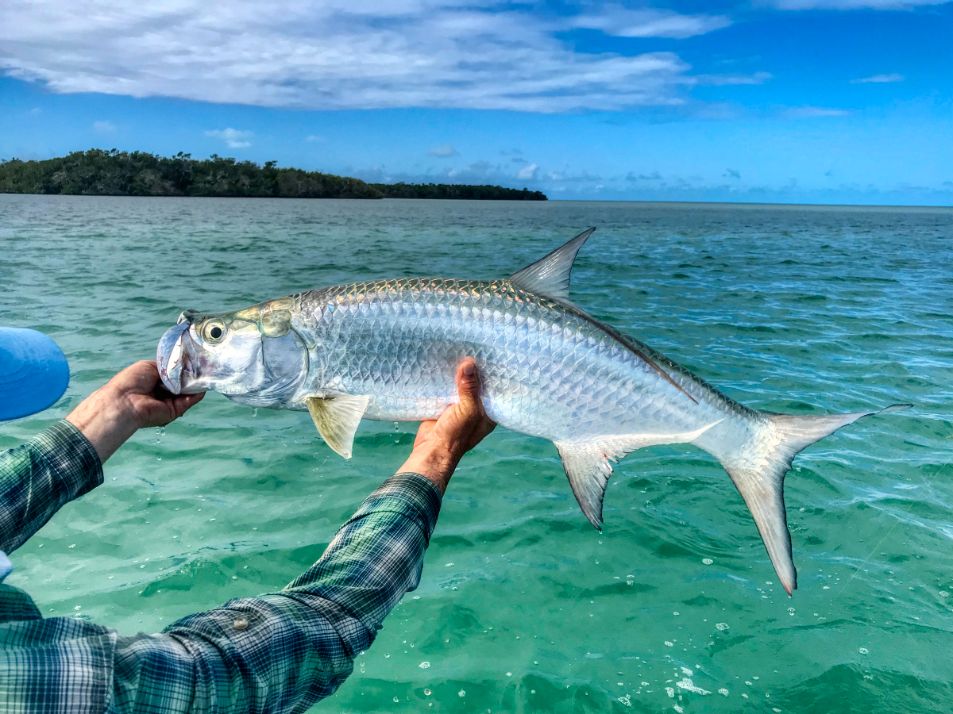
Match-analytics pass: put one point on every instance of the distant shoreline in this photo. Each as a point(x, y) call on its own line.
point(99, 172)
point(688, 205)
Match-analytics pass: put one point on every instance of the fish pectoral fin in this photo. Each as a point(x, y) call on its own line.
point(337, 418)
point(588, 464)
point(550, 275)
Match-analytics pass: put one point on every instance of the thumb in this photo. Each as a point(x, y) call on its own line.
point(468, 386)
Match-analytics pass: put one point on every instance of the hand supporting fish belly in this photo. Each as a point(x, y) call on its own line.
point(387, 350)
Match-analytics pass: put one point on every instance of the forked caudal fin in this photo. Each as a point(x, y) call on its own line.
point(758, 466)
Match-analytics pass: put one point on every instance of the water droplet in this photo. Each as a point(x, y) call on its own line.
point(863, 650)
point(462, 693)
point(427, 692)
point(721, 626)
point(424, 665)
point(707, 561)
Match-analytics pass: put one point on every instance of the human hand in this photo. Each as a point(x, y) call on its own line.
point(133, 399)
point(442, 442)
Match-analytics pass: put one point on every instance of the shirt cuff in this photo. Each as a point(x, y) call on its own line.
point(71, 457)
point(409, 493)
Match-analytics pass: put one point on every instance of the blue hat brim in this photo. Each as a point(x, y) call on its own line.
point(34, 372)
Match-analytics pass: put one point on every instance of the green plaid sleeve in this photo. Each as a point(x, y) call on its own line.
point(284, 651)
point(36, 479)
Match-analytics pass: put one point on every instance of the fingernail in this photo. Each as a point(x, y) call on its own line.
point(469, 369)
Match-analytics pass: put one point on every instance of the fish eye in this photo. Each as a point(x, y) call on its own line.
point(214, 331)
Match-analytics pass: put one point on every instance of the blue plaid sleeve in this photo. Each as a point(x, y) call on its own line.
point(36, 479)
point(284, 651)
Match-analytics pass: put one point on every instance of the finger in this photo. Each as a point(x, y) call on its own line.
point(468, 386)
point(141, 376)
point(183, 402)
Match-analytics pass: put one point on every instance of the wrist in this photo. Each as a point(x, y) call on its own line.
point(434, 462)
point(106, 420)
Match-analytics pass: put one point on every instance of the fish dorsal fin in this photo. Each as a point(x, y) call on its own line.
point(337, 418)
point(588, 464)
point(550, 276)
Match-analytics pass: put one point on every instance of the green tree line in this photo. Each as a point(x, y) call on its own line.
point(100, 172)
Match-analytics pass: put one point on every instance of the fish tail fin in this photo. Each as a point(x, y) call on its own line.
point(757, 466)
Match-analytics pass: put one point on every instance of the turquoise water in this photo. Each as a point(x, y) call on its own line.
point(523, 606)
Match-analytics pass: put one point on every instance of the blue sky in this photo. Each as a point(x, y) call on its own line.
point(819, 101)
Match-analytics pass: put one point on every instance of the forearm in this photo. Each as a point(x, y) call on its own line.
point(285, 651)
point(36, 479)
point(377, 555)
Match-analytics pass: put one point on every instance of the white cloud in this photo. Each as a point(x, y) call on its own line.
point(722, 79)
point(621, 22)
point(814, 112)
point(444, 151)
point(528, 172)
point(348, 54)
point(233, 138)
point(314, 138)
point(853, 4)
point(880, 79)
point(103, 127)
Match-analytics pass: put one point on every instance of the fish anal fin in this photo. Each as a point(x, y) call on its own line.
point(588, 463)
point(550, 275)
point(337, 418)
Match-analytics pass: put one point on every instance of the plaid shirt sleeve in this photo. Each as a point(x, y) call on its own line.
point(280, 652)
point(36, 479)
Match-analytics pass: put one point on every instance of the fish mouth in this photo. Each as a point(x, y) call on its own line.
point(172, 358)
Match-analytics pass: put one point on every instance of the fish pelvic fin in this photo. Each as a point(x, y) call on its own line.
point(337, 418)
point(588, 463)
point(550, 275)
point(758, 467)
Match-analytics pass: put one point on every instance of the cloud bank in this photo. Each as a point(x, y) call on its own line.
point(351, 54)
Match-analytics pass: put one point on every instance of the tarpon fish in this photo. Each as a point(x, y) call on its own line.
point(388, 349)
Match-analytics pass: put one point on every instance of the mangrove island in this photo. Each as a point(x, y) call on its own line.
point(100, 172)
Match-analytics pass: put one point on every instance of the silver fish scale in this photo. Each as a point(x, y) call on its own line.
point(547, 369)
